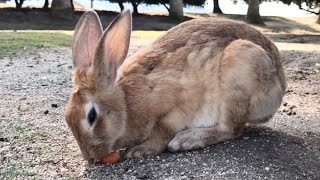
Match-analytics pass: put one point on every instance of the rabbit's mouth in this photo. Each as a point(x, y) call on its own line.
point(112, 157)
point(108, 158)
point(94, 153)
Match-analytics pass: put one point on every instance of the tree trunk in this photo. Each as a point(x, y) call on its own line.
point(135, 8)
point(46, 4)
point(168, 9)
point(91, 4)
point(62, 9)
point(19, 3)
point(72, 5)
point(121, 6)
point(253, 15)
point(176, 9)
point(216, 7)
point(318, 21)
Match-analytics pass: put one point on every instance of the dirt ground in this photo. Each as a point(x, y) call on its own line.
point(35, 142)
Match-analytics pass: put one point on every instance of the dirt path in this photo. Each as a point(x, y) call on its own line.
point(35, 142)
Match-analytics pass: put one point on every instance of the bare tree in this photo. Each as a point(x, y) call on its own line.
point(176, 9)
point(120, 3)
point(216, 7)
point(62, 9)
point(253, 14)
point(72, 5)
point(135, 5)
point(19, 3)
point(121, 6)
point(46, 4)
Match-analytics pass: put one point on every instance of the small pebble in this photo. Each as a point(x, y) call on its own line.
point(23, 98)
point(292, 107)
point(3, 139)
point(46, 112)
point(63, 169)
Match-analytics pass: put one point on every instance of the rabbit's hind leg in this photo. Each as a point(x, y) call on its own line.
point(196, 138)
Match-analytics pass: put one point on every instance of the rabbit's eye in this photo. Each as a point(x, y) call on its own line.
point(92, 116)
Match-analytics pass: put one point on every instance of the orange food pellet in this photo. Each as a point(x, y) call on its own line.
point(111, 158)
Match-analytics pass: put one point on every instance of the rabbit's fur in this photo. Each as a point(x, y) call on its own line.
point(197, 85)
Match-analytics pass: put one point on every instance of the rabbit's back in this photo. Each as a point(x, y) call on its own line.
point(197, 66)
point(195, 45)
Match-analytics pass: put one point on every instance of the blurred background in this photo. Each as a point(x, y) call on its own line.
point(152, 15)
point(35, 78)
point(268, 7)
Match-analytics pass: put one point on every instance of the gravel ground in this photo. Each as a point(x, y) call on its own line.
point(36, 144)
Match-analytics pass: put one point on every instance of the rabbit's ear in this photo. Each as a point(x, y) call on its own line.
point(113, 46)
point(86, 36)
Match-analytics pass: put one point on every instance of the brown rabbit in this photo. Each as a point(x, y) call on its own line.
point(197, 85)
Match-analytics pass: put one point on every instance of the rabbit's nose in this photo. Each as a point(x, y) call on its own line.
point(91, 160)
point(85, 155)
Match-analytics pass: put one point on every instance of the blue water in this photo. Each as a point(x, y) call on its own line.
point(275, 8)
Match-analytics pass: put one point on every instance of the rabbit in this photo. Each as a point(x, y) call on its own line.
point(197, 85)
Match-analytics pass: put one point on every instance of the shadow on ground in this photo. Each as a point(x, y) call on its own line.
point(281, 24)
point(271, 23)
point(295, 38)
point(261, 153)
point(39, 19)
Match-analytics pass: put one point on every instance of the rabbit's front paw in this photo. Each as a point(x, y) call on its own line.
point(143, 150)
point(186, 140)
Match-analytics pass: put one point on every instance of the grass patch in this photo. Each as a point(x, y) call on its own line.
point(19, 128)
point(46, 151)
point(14, 42)
point(34, 136)
point(11, 129)
point(15, 172)
point(12, 173)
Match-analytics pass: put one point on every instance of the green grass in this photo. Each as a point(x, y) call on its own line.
point(19, 128)
point(12, 173)
point(46, 151)
point(15, 172)
point(34, 136)
point(12, 128)
point(14, 42)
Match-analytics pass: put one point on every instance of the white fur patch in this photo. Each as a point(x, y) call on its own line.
point(193, 137)
point(207, 116)
point(85, 122)
point(187, 140)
